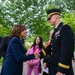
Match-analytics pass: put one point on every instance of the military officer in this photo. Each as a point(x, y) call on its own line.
point(61, 47)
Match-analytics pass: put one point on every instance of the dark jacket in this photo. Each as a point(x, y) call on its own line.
point(3, 46)
point(1, 39)
point(13, 63)
point(61, 50)
point(47, 60)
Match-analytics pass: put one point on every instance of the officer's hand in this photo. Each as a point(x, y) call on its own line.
point(73, 61)
point(59, 73)
point(44, 65)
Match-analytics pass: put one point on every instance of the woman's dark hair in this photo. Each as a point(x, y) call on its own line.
point(16, 31)
point(40, 44)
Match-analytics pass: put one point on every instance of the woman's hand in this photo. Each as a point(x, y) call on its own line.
point(59, 73)
point(30, 64)
point(37, 55)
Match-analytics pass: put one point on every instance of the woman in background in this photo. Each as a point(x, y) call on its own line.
point(33, 65)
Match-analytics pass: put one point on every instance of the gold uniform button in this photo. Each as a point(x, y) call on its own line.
point(51, 53)
point(51, 48)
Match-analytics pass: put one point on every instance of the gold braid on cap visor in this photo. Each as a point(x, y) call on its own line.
point(53, 13)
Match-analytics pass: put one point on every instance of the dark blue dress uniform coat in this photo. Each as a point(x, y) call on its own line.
point(13, 63)
point(60, 50)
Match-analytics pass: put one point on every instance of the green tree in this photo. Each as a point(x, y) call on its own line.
point(69, 18)
point(32, 13)
point(29, 12)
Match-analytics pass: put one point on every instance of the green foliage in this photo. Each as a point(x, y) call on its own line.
point(4, 30)
point(27, 46)
point(69, 18)
point(32, 13)
point(29, 12)
point(1, 60)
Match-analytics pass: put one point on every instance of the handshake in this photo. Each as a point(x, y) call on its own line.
point(37, 55)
